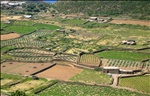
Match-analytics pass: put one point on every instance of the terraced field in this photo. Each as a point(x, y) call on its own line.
point(89, 60)
point(140, 83)
point(84, 90)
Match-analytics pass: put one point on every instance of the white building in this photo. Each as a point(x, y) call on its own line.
point(28, 16)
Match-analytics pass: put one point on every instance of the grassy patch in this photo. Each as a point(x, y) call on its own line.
point(46, 26)
point(24, 29)
point(140, 83)
point(91, 76)
point(62, 89)
point(124, 55)
point(6, 48)
point(20, 29)
point(10, 76)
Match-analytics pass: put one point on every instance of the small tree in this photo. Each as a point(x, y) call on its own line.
point(18, 93)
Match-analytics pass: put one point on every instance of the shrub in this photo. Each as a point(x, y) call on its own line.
point(97, 69)
point(18, 93)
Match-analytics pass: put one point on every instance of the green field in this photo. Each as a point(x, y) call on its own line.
point(140, 83)
point(91, 76)
point(10, 76)
point(124, 55)
point(63, 89)
point(26, 27)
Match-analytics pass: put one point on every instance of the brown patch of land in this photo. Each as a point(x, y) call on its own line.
point(5, 18)
point(9, 36)
point(61, 72)
point(22, 68)
point(134, 22)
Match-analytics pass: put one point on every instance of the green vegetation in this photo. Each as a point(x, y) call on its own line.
point(63, 89)
point(20, 29)
point(134, 9)
point(91, 76)
point(140, 83)
point(124, 55)
point(18, 93)
point(46, 26)
point(10, 76)
point(6, 48)
point(25, 27)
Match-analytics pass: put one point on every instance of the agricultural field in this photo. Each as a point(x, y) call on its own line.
point(89, 60)
point(146, 67)
point(113, 34)
point(66, 89)
point(140, 83)
point(123, 64)
point(90, 76)
point(21, 68)
point(11, 83)
point(24, 27)
point(42, 52)
point(123, 55)
point(60, 72)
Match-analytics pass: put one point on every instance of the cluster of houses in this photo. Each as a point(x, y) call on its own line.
point(100, 20)
point(12, 3)
point(129, 42)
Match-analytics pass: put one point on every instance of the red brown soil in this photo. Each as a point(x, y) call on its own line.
point(60, 72)
point(9, 36)
point(134, 22)
point(22, 68)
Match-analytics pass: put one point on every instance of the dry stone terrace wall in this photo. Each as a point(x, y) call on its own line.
point(27, 40)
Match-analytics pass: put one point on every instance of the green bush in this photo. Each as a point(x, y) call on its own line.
point(18, 93)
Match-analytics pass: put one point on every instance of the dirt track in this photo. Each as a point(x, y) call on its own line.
point(61, 72)
point(134, 22)
point(9, 36)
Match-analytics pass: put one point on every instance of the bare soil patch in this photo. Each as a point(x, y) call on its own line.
point(134, 22)
point(5, 18)
point(60, 72)
point(22, 68)
point(9, 36)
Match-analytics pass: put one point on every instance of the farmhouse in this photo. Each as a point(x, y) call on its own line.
point(117, 70)
point(93, 18)
point(129, 42)
point(62, 31)
point(113, 70)
point(28, 16)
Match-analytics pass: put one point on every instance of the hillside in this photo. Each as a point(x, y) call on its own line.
point(133, 9)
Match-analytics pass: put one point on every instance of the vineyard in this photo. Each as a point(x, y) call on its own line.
point(66, 89)
point(124, 64)
point(90, 60)
point(146, 66)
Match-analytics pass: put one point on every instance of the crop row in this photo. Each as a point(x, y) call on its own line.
point(147, 64)
point(66, 57)
point(123, 63)
point(33, 59)
point(32, 51)
point(23, 54)
point(25, 39)
point(89, 59)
